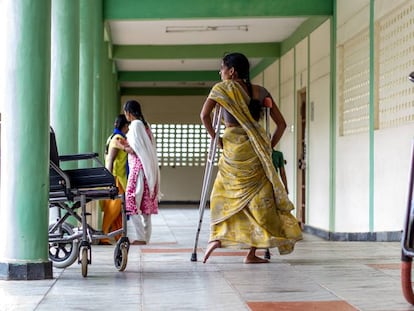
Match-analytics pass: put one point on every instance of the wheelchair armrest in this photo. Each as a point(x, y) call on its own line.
point(65, 177)
point(81, 156)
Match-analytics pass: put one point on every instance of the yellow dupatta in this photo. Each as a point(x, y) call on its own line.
point(232, 97)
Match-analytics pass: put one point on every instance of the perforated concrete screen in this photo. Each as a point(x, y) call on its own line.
point(396, 54)
point(354, 85)
point(393, 61)
point(181, 144)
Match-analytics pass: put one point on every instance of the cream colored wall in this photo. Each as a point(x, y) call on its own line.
point(287, 108)
point(170, 109)
point(391, 170)
point(392, 149)
point(392, 146)
point(384, 7)
point(352, 18)
point(352, 151)
point(177, 183)
point(318, 120)
point(294, 78)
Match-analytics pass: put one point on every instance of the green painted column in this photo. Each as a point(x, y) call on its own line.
point(64, 82)
point(333, 123)
point(371, 115)
point(86, 79)
point(109, 115)
point(111, 102)
point(98, 133)
point(25, 140)
point(64, 88)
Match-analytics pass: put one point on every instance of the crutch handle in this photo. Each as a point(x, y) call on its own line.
point(268, 103)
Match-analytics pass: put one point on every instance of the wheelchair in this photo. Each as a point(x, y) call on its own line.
point(407, 239)
point(69, 191)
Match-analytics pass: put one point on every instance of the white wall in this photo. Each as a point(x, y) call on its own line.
point(391, 174)
point(318, 146)
point(287, 108)
point(392, 145)
point(352, 151)
point(170, 109)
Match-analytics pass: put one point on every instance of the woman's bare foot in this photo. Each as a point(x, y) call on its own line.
point(252, 258)
point(210, 248)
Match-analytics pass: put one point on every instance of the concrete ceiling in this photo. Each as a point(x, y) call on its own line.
point(169, 47)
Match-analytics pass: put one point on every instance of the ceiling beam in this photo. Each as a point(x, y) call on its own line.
point(182, 9)
point(168, 76)
point(165, 91)
point(216, 51)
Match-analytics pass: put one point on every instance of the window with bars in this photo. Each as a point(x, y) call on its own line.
point(181, 144)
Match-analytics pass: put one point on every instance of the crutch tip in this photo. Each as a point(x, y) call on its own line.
point(194, 257)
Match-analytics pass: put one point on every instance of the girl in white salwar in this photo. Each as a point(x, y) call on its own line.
point(142, 192)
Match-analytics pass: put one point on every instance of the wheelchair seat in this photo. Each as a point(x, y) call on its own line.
point(93, 182)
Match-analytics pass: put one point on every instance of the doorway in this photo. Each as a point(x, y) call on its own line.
point(301, 156)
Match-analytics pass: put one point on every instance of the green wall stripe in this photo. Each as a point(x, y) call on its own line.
point(165, 91)
point(295, 132)
point(216, 51)
point(86, 77)
point(183, 9)
point(308, 120)
point(371, 112)
point(332, 135)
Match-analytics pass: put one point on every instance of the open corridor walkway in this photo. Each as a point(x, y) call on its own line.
point(318, 275)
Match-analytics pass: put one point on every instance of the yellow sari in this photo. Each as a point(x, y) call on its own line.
point(249, 205)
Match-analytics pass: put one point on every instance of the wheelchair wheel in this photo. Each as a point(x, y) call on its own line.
point(406, 283)
point(63, 254)
point(84, 261)
point(121, 255)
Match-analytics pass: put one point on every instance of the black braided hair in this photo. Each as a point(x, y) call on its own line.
point(241, 65)
point(120, 121)
point(134, 108)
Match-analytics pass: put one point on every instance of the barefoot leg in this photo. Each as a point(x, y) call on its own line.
point(252, 258)
point(210, 248)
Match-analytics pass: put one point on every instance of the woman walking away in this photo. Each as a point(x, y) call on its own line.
point(116, 163)
point(142, 191)
point(249, 205)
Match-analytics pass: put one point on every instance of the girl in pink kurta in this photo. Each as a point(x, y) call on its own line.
point(149, 205)
point(142, 192)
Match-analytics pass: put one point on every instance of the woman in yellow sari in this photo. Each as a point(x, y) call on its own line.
point(249, 205)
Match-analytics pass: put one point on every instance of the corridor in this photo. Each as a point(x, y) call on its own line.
point(319, 275)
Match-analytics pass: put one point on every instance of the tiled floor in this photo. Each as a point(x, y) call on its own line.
point(319, 275)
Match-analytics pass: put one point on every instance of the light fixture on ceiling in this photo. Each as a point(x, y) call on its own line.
point(206, 28)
